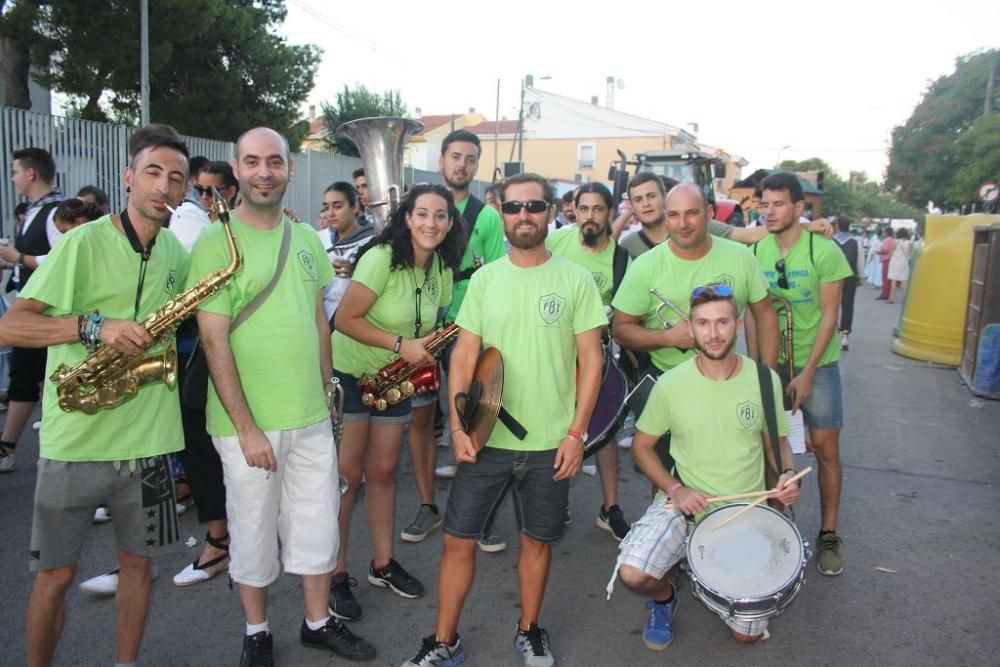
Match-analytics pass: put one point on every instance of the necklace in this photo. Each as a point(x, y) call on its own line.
point(736, 365)
point(417, 291)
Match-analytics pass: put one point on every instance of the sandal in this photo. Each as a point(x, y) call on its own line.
point(196, 573)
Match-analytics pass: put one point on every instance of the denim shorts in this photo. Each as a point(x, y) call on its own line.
point(824, 409)
point(426, 398)
point(479, 488)
point(356, 411)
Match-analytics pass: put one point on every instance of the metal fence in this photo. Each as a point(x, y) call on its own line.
point(92, 153)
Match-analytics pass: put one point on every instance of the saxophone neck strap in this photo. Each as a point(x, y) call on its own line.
point(258, 301)
point(143, 252)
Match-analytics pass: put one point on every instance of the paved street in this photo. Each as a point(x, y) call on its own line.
point(919, 517)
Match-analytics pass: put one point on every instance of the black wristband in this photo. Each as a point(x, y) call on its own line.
point(81, 328)
point(398, 345)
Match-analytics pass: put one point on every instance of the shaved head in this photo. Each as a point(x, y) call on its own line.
point(688, 188)
point(259, 133)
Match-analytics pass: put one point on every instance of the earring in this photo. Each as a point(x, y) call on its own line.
point(128, 189)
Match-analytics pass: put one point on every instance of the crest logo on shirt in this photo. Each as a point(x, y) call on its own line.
point(746, 413)
point(308, 263)
point(600, 280)
point(170, 286)
point(551, 307)
point(724, 279)
point(430, 288)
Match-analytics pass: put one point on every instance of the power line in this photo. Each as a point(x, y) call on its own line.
point(348, 32)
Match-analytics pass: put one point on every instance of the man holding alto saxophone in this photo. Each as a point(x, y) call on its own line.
point(106, 441)
point(267, 343)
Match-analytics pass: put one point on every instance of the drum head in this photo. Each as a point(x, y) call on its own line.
point(754, 556)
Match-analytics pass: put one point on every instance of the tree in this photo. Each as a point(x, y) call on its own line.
point(978, 152)
point(16, 36)
point(354, 103)
point(216, 67)
point(924, 158)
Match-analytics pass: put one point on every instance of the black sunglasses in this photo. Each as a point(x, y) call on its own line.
point(779, 266)
point(533, 206)
point(202, 191)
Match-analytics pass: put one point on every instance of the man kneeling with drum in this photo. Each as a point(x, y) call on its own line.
point(713, 406)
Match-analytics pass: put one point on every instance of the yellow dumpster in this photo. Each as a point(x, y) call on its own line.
point(933, 319)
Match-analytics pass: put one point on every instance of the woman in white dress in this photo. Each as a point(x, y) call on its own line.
point(873, 266)
point(899, 263)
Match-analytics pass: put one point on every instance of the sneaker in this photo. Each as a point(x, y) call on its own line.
point(258, 650)
point(438, 654)
point(613, 521)
point(101, 514)
point(658, 633)
point(7, 460)
point(446, 472)
point(830, 560)
point(396, 579)
point(492, 544)
point(335, 637)
point(427, 519)
point(533, 645)
point(342, 602)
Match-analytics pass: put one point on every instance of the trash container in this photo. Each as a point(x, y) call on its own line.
point(980, 368)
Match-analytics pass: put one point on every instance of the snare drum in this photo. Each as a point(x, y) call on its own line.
point(610, 409)
point(751, 568)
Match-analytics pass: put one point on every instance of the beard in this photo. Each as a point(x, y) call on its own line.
point(591, 235)
point(454, 184)
point(716, 356)
point(528, 242)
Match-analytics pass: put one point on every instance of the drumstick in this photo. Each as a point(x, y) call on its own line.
point(769, 494)
point(753, 494)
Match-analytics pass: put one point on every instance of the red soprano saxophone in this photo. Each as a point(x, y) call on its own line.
point(399, 379)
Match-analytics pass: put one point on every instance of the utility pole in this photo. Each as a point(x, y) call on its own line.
point(144, 48)
point(988, 104)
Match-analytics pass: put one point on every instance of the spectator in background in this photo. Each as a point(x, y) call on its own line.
point(885, 251)
point(361, 185)
point(899, 263)
point(74, 212)
point(346, 234)
point(92, 193)
point(567, 216)
point(852, 251)
point(192, 219)
point(492, 196)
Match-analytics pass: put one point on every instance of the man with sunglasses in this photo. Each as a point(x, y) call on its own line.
point(713, 404)
point(195, 215)
point(589, 244)
point(544, 315)
point(809, 271)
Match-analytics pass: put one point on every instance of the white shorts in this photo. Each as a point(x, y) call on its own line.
point(299, 503)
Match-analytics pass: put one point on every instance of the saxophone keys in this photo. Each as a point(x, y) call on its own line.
point(381, 404)
point(406, 388)
point(394, 395)
point(367, 399)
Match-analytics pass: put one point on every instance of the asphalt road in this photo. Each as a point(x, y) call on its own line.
point(919, 517)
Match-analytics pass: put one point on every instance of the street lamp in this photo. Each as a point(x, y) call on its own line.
point(527, 81)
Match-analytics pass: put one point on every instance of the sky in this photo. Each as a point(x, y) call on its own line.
point(767, 80)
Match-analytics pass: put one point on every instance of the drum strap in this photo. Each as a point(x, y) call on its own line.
point(770, 415)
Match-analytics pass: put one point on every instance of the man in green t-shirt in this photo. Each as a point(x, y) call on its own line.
point(459, 163)
point(544, 315)
point(713, 405)
point(267, 407)
point(589, 244)
point(95, 287)
point(809, 271)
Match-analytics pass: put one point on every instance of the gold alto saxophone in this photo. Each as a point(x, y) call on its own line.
point(107, 378)
point(399, 379)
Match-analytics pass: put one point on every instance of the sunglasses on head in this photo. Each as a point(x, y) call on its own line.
point(779, 266)
point(533, 206)
point(720, 289)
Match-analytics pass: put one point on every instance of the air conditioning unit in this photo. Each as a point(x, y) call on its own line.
point(512, 168)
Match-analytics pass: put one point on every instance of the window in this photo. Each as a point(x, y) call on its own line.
point(586, 156)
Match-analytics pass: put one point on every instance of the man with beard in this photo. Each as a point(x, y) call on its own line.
point(541, 312)
point(809, 271)
point(267, 406)
point(717, 453)
point(589, 244)
point(647, 194)
point(459, 163)
point(92, 291)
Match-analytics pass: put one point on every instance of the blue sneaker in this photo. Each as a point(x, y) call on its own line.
point(658, 633)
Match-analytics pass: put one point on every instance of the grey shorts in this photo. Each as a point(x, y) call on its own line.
point(140, 498)
point(479, 488)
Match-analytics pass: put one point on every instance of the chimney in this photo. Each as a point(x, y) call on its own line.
point(418, 112)
point(593, 100)
point(472, 109)
point(529, 81)
point(609, 98)
point(312, 112)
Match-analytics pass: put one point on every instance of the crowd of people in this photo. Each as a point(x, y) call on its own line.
point(561, 287)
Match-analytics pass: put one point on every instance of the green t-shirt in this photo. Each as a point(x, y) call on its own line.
point(636, 246)
point(675, 278)
point(715, 426)
point(566, 243)
point(805, 276)
point(531, 315)
point(394, 309)
point(276, 350)
point(486, 243)
point(93, 268)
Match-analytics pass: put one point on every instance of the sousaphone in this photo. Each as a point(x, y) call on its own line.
point(479, 408)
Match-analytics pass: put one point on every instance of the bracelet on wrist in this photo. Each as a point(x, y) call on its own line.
point(673, 488)
point(397, 346)
point(575, 435)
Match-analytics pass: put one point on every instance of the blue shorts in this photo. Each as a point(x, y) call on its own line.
point(479, 488)
point(824, 409)
point(356, 411)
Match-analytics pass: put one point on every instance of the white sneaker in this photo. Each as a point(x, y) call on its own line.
point(101, 515)
point(105, 584)
point(36, 425)
point(446, 472)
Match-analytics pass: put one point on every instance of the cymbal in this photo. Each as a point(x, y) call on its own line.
point(489, 372)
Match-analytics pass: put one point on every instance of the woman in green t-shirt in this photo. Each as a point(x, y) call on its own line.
point(400, 288)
